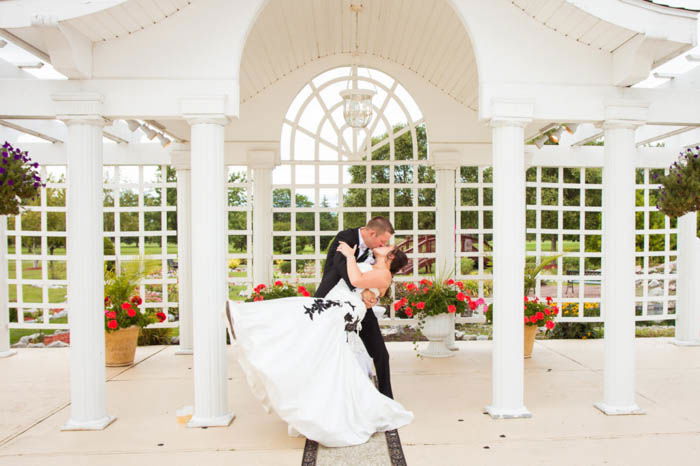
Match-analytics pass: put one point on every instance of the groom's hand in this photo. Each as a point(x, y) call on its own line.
point(369, 298)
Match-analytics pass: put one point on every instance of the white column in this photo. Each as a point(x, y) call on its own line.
point(618, 264)
point(180, 160)
point(209, 274)
point(446, 165)
point(85, 260)
point(508, 260)
point(687, 290)
point(262, 163)
point(5, 350)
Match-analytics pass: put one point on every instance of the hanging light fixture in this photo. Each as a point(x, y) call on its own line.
point(357, 103)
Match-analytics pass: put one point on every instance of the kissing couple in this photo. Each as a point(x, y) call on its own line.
point(309, 359)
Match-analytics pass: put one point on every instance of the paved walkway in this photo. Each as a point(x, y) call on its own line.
point(563, 380)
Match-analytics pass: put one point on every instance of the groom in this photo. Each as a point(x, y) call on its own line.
point(376, 233)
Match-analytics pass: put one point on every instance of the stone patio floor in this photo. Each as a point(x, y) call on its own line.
point(562, 381)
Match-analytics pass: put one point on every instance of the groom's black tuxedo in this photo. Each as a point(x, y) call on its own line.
point(335, 270)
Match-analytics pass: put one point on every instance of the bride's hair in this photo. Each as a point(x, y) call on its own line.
point(398, 260)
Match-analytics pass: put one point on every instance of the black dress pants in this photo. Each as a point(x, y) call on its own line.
point(374, 342)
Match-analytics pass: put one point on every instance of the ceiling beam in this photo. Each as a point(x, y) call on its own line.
point(30, 131)
point(668, 134)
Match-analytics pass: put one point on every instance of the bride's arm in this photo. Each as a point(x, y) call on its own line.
point(372, 279)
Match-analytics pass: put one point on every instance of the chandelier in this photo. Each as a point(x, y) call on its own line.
point(357, 103)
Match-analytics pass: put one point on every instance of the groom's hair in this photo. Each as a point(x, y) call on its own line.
point(380, 225)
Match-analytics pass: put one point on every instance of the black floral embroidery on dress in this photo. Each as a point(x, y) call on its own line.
point(350, 324)
point(319, 306)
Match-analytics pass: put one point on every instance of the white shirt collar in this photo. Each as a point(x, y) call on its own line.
point(361, 244)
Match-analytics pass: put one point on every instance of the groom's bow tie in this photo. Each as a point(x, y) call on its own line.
point(363, 256)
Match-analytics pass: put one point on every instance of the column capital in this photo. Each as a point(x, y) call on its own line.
point(204, 109)
point(79, 107)
point(180, 156)
point(511, 112)
point(446, 160)
point(629, 114)
point(263, 159)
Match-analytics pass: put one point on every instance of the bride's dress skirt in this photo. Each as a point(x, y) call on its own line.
point(299, 357)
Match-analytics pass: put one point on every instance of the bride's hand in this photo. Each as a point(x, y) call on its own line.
point(346, 250)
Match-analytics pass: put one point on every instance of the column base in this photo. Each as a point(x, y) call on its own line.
point(618, 410)
point(183, 352)
point(8, 353)
point(99, 424)
point(221, 421)
point(498, 413)
point(678, 342)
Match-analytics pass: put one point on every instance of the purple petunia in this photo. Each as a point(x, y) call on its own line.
point(10, 182)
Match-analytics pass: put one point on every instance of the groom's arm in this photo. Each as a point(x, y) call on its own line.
point(340, 264)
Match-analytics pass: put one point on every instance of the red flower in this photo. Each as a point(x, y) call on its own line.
point(306, 293)
point(136, 300)
point(556, 310)
point(112, 324)
point(107, 301)
point(409, 312)
point(398, 305)
point(539, 315)
point(533, 319)
point(111, 315)
point(411, 287)
point(451, 308)
point(130, 312)
point(472, 305)
point(279, 283)
point(301, 289)
point(550, 325)
point(450, 282)
point(426, 282)
point(460, 285)
point(527, 319)
point(426, 290)
point(161, 316)
point(126, 306)
point(547, 311)
point(420, 305)
point(258, 298)
point(461, 296)
point(549, 299)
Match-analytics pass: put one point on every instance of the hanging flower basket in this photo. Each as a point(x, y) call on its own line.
point(679, 192)
point(19, 180)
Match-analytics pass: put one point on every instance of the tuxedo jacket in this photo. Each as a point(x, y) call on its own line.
point(336, 264)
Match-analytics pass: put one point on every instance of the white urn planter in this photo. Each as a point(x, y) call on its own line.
point(436, 329)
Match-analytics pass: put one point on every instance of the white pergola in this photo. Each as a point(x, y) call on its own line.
point(220, 75)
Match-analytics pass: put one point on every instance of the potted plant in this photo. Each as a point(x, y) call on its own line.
point(537, 314)
point(679, 192)
point(123, 316)
point(278, 290)
point(20, 184)
point(432, 303)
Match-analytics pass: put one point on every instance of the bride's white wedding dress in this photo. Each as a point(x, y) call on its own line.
point(303, 359)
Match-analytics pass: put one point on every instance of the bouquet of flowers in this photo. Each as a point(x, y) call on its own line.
point(536, 312)
point(431, 298)
point(278, 290)
point(679, 192)
point(19, 180)
point(121, 305)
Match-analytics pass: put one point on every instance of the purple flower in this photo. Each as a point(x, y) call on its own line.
point(10, 182)
point(35, 165)
point(36, 185)
point(2, 170)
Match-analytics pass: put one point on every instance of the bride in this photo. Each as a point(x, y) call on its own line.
point(303, 357)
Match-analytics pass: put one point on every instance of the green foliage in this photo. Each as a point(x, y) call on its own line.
point(155, 336)
point(680, 189)
point(20, 183)
point(577, 330)
point(536, 312)
point(532, 270)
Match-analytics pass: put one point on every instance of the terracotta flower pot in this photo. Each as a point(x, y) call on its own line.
point(120, 346)
point(530, 332)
